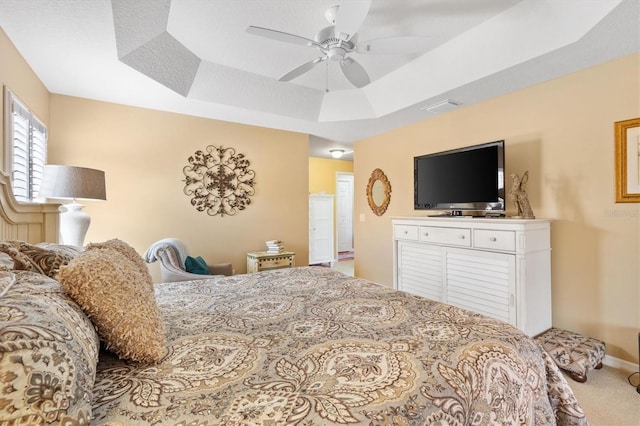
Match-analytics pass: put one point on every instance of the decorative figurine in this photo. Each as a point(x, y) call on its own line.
point(519, 196)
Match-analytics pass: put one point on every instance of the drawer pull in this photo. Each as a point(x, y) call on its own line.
point(462, 237)
point(494, 239)
point(426, 234)
point(406, 232)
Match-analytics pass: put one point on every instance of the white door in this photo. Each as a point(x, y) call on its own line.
point(321, 248)
point(344, 211)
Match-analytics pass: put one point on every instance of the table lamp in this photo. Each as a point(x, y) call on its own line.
point(69, 182)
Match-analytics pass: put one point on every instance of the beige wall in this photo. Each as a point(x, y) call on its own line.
point(560, 131)
point(143, 153)
point(322, 173)
point(18, 76)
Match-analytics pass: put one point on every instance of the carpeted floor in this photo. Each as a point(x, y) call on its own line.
point(344, 255)
point(607, 398)
point(344, 266)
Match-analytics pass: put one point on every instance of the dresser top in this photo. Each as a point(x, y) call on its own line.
point(266, 254)
point(471, 219)
point(474, 222)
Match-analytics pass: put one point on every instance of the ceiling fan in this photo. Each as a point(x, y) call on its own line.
point(340, 39)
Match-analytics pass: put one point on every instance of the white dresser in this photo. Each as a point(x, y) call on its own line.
point(497, 267)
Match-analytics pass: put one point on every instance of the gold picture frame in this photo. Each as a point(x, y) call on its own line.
point(627, 135)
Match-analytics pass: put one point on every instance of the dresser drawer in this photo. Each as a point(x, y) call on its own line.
point(405, 232)
point(450, 236)
point(262, 261)
point(275, 263)
point(494, 240)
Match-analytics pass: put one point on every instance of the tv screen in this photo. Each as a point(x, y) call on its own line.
point(470, 178)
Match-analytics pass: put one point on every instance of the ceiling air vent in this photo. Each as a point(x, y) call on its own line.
point(442, 106)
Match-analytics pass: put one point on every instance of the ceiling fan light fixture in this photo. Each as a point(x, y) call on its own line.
point(331, 13)
point(336, 153)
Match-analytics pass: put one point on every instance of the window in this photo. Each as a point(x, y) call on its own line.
point(26, 149)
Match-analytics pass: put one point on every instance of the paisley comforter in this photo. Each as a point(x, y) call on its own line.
point(311, 346)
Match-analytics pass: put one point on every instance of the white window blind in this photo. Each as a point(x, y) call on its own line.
point(26, 151)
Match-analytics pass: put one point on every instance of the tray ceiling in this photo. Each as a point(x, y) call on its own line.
point(195, 57)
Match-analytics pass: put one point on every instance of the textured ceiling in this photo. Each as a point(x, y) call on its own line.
point(196, 57)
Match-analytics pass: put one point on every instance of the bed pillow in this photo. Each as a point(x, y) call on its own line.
point(48, 353)
point(126, 250)
point(6, 262)
point(120, 302)
point(71, 251)
point(45, 260)
point(196, 265)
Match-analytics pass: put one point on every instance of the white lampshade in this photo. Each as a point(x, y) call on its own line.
point(68, 182)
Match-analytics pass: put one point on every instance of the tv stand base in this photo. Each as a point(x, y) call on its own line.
point(452, 213)
point(458, 214)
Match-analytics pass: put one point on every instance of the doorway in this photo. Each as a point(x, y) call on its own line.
point(344, 214)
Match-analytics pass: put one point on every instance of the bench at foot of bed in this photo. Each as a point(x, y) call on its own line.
point(574, 353)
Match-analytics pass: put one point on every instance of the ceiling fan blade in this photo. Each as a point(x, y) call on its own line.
point(354, 72)
point(395, 45)
point(350, 17)
point(280, 36)
point(302, 69)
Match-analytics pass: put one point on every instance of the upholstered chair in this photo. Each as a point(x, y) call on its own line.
point(172, 253)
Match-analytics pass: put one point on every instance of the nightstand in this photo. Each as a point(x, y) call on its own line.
point(262, 261)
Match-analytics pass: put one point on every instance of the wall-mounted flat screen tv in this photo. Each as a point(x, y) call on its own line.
point(469, 178)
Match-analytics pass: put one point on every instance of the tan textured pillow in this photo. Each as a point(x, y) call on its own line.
point(126, 250)
point(119, 301)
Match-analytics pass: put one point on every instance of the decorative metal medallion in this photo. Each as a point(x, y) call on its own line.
point(219, 181)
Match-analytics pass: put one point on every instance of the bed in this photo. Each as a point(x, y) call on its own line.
point(300, 346)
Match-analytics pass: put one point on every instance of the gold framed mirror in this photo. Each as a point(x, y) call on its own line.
point(378, 192)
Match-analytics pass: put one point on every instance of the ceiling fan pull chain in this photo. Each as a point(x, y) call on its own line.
point(327, 78)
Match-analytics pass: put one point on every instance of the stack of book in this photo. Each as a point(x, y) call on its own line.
point(274, 246)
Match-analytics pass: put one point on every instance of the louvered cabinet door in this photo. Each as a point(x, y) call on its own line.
point(420, 270)
point(482, 282)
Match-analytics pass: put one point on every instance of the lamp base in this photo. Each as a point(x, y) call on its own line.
point(74, 224)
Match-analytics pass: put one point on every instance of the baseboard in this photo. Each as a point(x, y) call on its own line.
point(620, 364)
